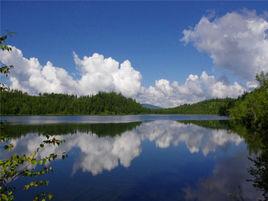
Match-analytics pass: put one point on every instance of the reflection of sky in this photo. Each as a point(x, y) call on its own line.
point(97, 154)
point(227, 182)
point(104, 119)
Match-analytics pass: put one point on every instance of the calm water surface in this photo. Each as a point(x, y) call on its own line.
point(137, 158)
point(103, 119)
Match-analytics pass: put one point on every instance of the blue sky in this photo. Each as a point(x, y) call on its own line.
point(146, 33)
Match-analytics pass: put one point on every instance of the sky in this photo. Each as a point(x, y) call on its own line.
point(161, 53)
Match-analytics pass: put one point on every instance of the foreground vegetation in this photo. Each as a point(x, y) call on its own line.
point(18, 166)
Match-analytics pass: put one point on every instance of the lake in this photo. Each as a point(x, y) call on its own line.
point(138, 157)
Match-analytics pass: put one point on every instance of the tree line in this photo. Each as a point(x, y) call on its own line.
point(251, 109)
point(14, 102)
point(217, 106)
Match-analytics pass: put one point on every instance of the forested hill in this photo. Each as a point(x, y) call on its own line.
point(251, 109)
point(19, 103)
point(212, 106)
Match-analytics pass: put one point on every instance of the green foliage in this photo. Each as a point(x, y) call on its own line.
point(15, 102)
point(17, 166)
point(33, 184)
point(6, 195)
point(212, 106)
point(19, 103)
point(3, 45)
point(30, 165)
point(43, 197)
point(259, 171)
point(4, 69)
point(251, 109)
point(262, 78)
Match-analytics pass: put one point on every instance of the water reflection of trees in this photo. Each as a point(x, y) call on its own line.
point(99, 151)
point(258, 146)
point(105, 146)
point(259, 170)
point(111, 129)
point(257, 143)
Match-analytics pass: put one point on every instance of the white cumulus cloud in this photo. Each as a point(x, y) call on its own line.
point(97, 154)
point(97, 73)
point(106, 74)
point(237, 41)
point(195, 88)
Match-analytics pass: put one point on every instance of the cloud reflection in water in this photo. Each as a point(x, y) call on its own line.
point(97, 153)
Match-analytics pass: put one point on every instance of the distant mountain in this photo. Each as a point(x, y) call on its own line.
point(149, 106)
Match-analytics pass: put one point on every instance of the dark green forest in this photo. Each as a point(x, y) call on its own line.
point(251, 109)
point(15, 102)
point(100, 129)
point(19, 103)
point(212, 106)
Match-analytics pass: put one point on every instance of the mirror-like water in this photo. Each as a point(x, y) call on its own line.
point(104, 119)
point(162, 159)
